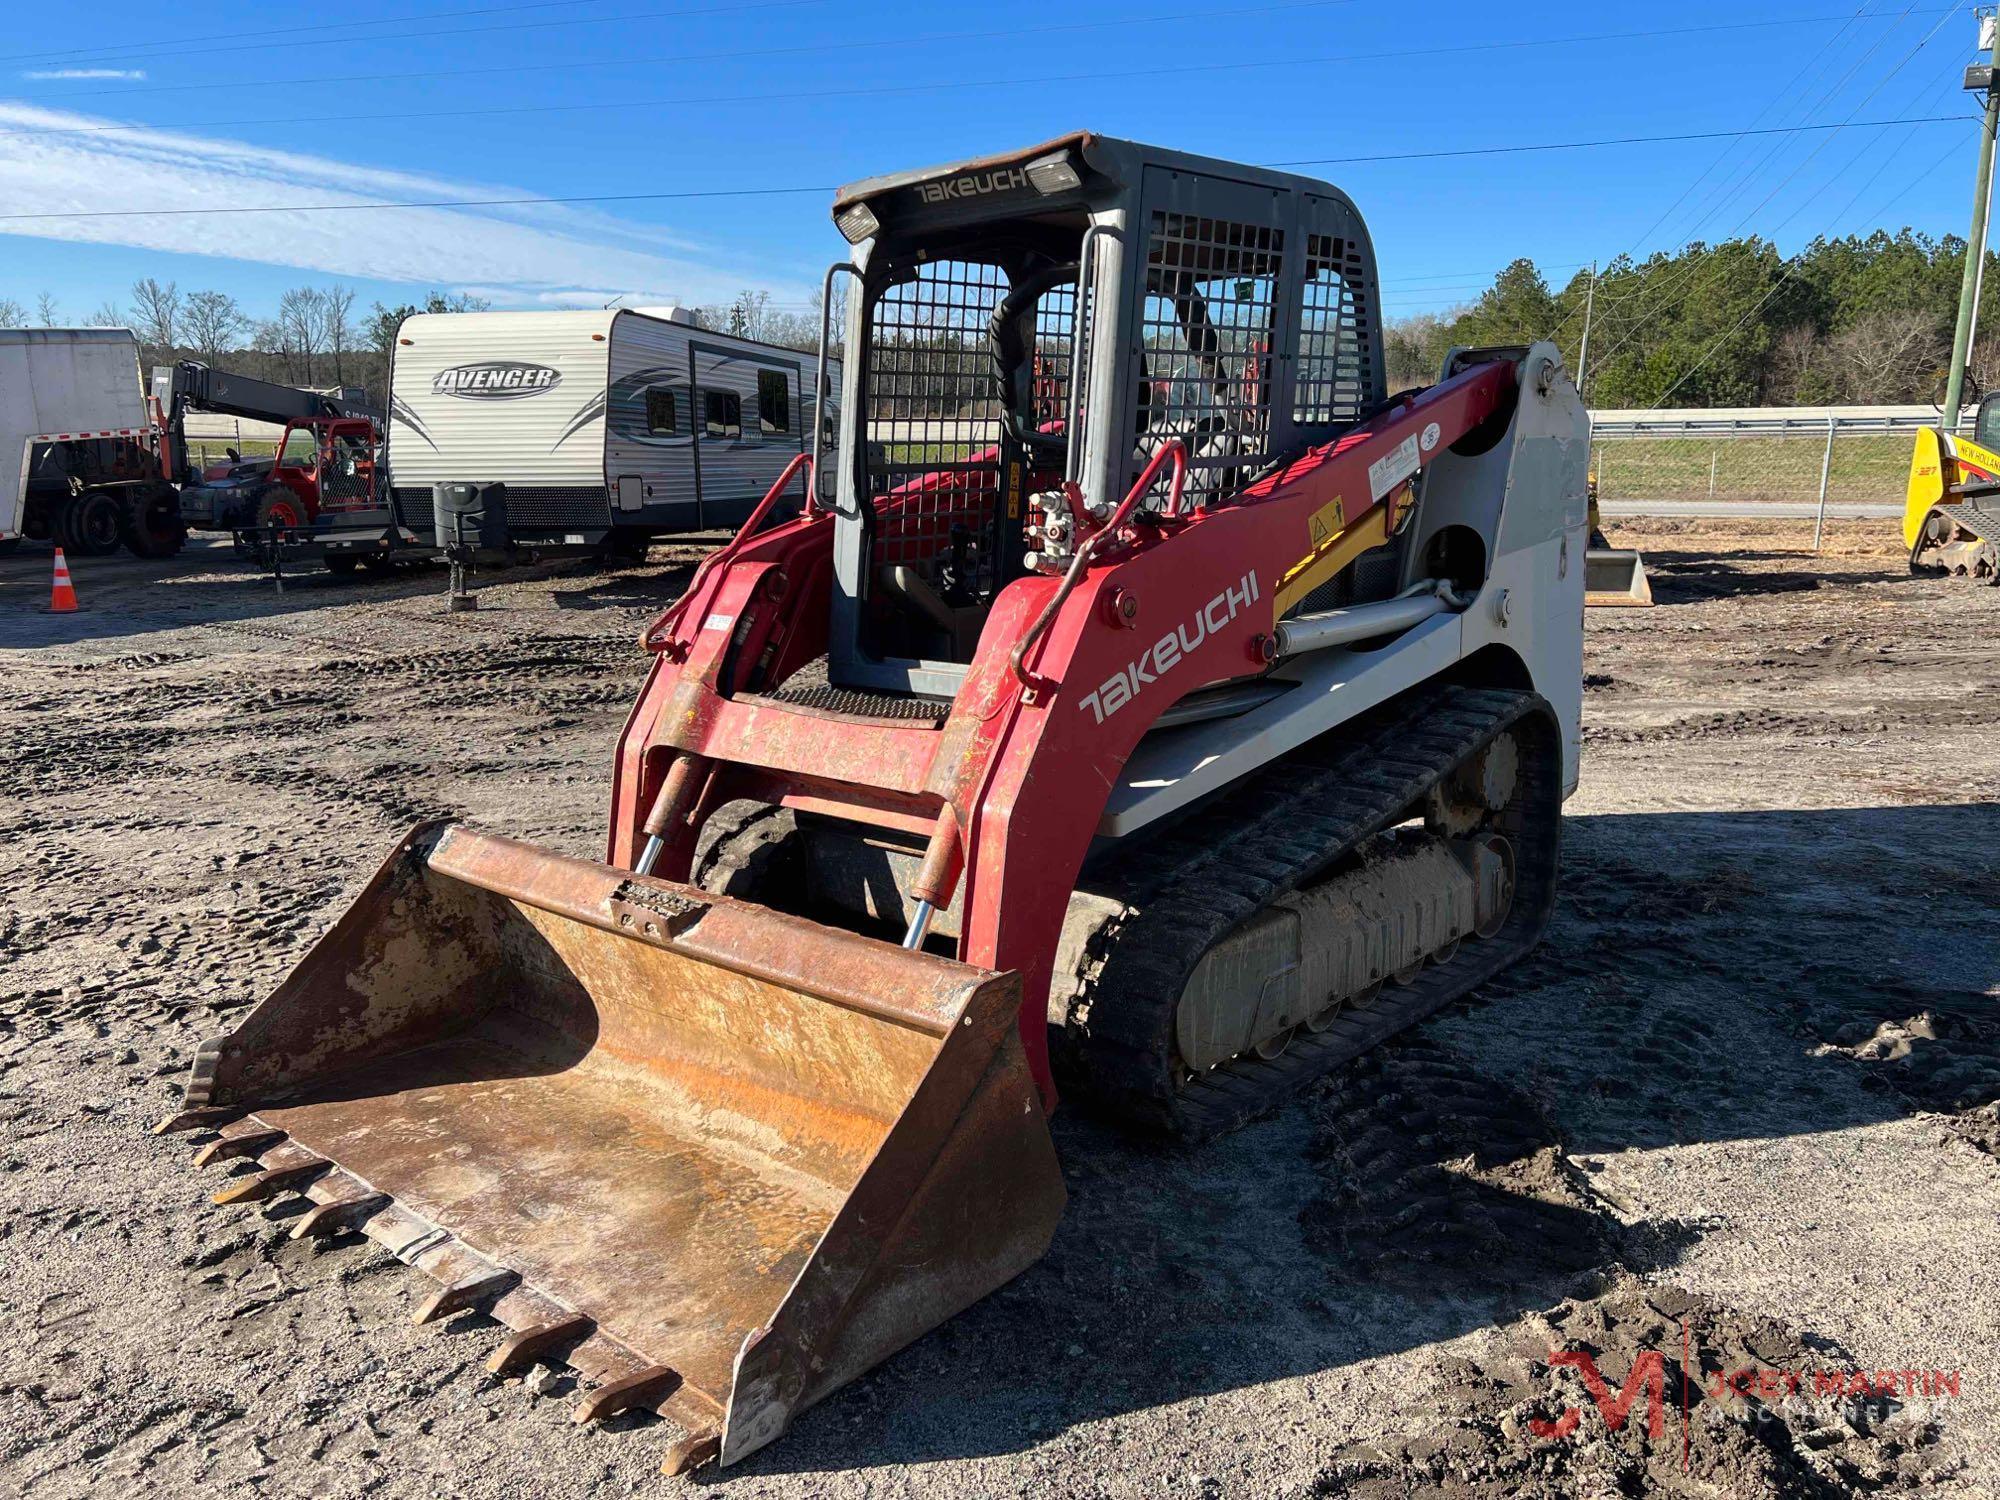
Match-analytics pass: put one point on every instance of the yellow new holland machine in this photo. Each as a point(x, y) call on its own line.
point(1951, 509)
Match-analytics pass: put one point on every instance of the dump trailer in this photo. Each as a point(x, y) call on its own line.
point(1144, 707)
point(80, 461)
point(1951, 507)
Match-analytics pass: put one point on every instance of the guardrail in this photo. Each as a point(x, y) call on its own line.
point(1702, 421)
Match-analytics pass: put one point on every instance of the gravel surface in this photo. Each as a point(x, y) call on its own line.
point(1741, 1109)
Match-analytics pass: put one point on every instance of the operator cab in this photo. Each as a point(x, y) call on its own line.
point(1058, 314)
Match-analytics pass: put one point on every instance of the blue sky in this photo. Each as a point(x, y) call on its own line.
point(195, 107)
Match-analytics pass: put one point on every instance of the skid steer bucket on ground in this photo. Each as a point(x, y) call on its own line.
point(719, 1159)
point(1615, 577)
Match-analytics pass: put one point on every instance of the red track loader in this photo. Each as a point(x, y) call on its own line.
point(1143, 708)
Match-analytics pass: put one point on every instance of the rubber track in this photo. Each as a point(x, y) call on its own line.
point(1977, 517)
point(1281, 828)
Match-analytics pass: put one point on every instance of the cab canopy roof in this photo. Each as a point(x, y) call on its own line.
point(1074, 170)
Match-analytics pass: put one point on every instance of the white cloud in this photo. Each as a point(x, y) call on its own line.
point(133, 74)
point(522, 256)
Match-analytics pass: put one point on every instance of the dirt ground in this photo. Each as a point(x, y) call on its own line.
point(1739, 1110)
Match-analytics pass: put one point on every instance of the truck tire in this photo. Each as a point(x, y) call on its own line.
point(150, 523)
point(277, 504)
point(9, 546)
point(90, 523)
point(342, 565)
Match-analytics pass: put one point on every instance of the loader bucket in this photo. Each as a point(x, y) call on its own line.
point(719, 1159)
point(1614, 577)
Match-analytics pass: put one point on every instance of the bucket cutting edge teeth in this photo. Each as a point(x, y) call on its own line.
point(541, 1331)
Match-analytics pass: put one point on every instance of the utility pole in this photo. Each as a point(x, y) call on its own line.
point(1979, 77)
point(1583, 353)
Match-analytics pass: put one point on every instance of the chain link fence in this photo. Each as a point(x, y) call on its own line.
point(1783, 459)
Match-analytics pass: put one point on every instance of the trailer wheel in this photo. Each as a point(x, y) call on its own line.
point(278, 506)
point(150, 523)
point(342, 564)
point(90, 525)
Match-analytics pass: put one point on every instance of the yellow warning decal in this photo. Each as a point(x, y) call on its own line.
point(1333, 545)
point(1327, 523)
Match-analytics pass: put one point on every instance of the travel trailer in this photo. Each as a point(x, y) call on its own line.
point(611, 425)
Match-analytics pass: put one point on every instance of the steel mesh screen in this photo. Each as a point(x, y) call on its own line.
point(1055, 327)
point(1206, 335)
point(1334, 333)
point(933, 407)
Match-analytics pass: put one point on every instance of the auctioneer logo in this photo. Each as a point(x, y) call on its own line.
point(1768, 1387)
point(495, 380)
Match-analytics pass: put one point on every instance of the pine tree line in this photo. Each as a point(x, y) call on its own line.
point(1860, 320)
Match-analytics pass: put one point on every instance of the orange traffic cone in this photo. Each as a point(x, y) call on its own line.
point(62, 598)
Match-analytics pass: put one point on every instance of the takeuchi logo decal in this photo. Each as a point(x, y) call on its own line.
point(495, 380)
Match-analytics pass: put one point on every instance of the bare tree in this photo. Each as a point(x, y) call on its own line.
point(1799, 369)
point(1982, 363)
point(106, 316)
point(12, 314)
point(337, 307)
point(211, 323)
point(156, 309)
point(45, 309)
point(1883, 356)
point(302, 324)
point(268, 339)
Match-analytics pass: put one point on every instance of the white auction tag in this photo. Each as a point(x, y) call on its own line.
point(1388, 472)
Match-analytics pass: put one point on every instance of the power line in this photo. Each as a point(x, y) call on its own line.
point(762, 192)
point(1013, 81)
point(1623, 140)
point(1792, 266)
point(1691, 275)
point(866, 44)
point(159, 49)
point(181, 42)
point(1696, 276)
point(1716, 198)
point(869, 44)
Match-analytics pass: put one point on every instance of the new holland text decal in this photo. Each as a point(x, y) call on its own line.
point(1165, 654)
point(495, 380)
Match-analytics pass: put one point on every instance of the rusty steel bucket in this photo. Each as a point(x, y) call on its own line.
point(1613, 577)
point(719, 1159)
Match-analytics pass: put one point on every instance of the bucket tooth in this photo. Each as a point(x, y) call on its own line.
point(195, 1119)
point(268, 1183)
point(339, 1215)
point(476, 1290)
point(691, 1452)
point(253, 1140)
point(530, 1344)
point(640, 1388)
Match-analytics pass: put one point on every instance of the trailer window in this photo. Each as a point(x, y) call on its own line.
point(660, 419)
point(722, 414)
point(774, 402)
